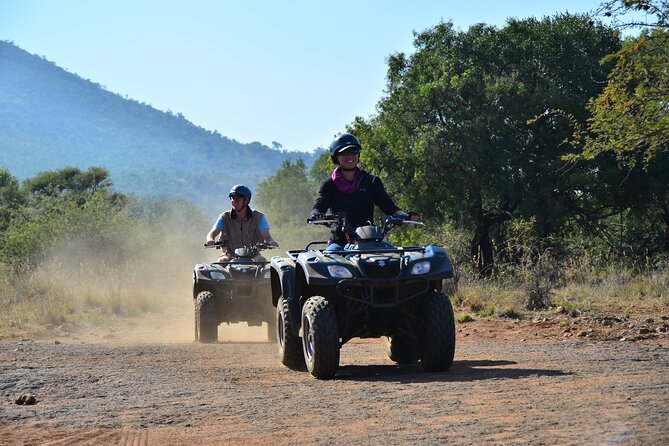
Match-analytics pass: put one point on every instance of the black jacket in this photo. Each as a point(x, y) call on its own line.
point(359, 206)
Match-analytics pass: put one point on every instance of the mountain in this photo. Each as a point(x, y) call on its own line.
point(51, 118)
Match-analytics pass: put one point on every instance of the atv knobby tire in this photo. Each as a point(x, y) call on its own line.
point(206, 324)
point(402, 349)
point(320, 337)
point(439, 345)
point(290, 345)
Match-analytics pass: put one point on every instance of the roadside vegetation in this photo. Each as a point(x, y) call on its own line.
point(74, 252)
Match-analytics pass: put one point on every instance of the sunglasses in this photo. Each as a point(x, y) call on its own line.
point(348, 152)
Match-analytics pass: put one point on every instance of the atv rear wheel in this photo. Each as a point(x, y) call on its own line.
point(290, 346)
point(320, 337)
point(439, 347)
point(402, 349)
point(206, 325)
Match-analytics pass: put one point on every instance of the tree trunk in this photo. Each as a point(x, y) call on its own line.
point(481, 251)
point(481, 248)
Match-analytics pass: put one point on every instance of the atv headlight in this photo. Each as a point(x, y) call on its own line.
point(216, 275)
point(422, 267)
point(339, 272)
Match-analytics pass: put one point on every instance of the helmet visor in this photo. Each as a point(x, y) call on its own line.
point(348, 150)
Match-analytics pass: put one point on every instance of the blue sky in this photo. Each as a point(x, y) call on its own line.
point(294, 72)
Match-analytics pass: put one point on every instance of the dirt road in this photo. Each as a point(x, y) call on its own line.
point(508, 385)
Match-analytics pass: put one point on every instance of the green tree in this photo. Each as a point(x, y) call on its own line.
point(630, 118)
point(97, 225)
point(68, 180)
point(655, 13)
point(62, 205)
point(11, 198)
point(288, 195)
point(458, 137)
point(322, 168)
point(626, 137)
point(624, 210)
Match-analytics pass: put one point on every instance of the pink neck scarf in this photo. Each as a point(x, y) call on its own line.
point(342, 183)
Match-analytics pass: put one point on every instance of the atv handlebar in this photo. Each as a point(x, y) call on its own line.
point(397, 220)
point(262, 245)
point(219, 244)
point(340, 220)
point(321, 219)
point(329, 219)
point(401, 219)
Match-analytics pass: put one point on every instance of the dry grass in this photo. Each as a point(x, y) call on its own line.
point(78, 290)
point(593, 291)
point(644, 293)
point(488, 299)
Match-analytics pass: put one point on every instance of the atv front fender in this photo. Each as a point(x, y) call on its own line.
point(283, 284)
point(201, 281)
point(283, 279)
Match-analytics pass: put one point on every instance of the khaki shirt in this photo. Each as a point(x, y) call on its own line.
point(240, 233)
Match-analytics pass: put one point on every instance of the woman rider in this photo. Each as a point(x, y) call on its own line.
point(352, 190)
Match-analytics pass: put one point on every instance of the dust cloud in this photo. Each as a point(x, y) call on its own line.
point(131, 291)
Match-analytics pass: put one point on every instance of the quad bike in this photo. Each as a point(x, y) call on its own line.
point(369, 289)
point(233, 291)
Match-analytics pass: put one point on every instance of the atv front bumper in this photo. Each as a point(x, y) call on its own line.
point(382, 293)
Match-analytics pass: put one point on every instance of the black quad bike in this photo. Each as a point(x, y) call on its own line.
point(234, 291)
point(369, 289)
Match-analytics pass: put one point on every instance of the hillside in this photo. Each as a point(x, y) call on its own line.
point(51, 118)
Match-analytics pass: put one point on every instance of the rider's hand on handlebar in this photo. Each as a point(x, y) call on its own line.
point(314, 217)
point(216, 243)
point(413, 216)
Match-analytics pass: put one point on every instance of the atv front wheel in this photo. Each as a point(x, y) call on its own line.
point(206, 325)
point(290, 346)
point(320, 337)
point(439, 347)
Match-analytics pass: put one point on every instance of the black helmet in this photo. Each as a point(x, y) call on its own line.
point(341, 143)
point(241, 190)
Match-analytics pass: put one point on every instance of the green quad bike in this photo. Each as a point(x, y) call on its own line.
point(234, 291)
point(369, 289)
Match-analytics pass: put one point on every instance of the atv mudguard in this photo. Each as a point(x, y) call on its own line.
point(283, 284)
point(201, 279)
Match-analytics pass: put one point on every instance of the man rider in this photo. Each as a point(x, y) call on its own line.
point(241, 226)
point(352, 190)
